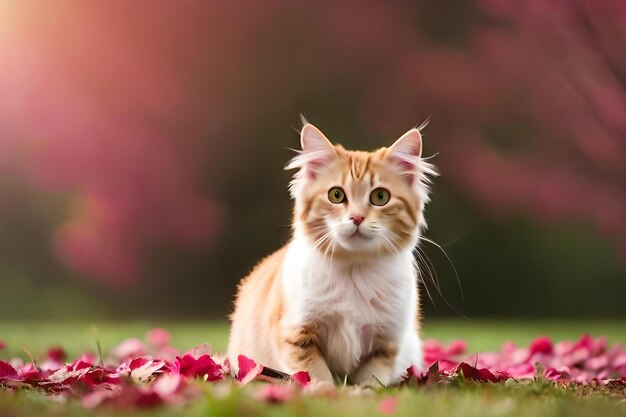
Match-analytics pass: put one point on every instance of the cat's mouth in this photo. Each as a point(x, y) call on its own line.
point(358, 234)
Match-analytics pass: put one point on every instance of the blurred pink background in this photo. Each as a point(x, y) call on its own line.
point(142, 143)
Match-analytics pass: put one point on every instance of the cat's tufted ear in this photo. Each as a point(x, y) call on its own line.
point(317, 151)
point(409, 145)
point(406, 153)
point(315, 144)
point(313, 140)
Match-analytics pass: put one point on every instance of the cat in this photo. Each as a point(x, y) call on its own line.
point(340, 300)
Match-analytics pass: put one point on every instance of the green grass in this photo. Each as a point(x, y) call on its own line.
point(460, 399)
point(77, 337)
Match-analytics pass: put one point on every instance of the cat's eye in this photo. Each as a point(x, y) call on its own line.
point(379, 197)
point(336, 195)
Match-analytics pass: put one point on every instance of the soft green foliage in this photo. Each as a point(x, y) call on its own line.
point(530, 398)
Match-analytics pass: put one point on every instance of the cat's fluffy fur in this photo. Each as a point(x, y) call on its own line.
point(341, 298)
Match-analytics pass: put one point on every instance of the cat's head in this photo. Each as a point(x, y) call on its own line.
point(356, 203)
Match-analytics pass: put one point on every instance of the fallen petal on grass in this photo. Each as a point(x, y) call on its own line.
point(203, 367)
point(388, 405)
point(130, 349)
point(144, 375)
point(275, 393)
point(302, 378)
point(248, 369)
point(158, 337)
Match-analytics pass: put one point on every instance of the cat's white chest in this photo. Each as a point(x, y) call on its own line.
point(352, 301)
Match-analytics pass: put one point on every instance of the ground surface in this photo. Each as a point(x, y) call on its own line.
point(461, 399)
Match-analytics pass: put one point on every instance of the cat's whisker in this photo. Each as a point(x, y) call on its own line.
point(388, 244)
point(319, 242)
point(388, 238)
point(458, 279)
point(317, 246)
point(421, 254)
point(432, 272)
point(421, 276)
point(430, 297)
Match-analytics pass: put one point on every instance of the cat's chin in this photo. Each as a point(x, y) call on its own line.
point(359, 243)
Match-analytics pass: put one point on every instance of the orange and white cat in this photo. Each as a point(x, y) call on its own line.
point(341, 298)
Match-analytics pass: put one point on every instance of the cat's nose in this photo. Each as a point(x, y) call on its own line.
point(357, 220)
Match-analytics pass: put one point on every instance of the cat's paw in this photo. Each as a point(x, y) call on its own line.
point(321, 388)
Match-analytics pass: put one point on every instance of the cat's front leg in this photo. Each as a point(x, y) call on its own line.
point(377, 367)
point(301, 351)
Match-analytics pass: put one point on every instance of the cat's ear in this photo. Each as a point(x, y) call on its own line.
point(313, 140)
point(406, 153)
point(409, 145)
point(317, 152)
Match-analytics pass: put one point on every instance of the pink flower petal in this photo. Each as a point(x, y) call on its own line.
point(446, 365)
point(248, 369)
point(414, 372)
point(302, 378)
point(95, 398)
point(137, 363)
point(388, 405)
point(129, 349)
point(585, 342)
point(71, 372)
point(88, 357)
point(204, 367)
point(56, 354)
point(147, 370)
point(541, 345)
point(275, 393)
point(456, 347)
point(525, 370)
point(158, 337)
point(202, 349)
point(481, 375)
point(167, 353)
point(564, 347)
point(597, 363)
point(167, 385)
point(6, 369)
point(145, 381)
point(620, 360)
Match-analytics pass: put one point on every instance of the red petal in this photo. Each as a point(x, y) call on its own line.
point(414, 372)
point(204, 366)
point(302, 378)
point(541, 345)
point(137, 363)
point(456, 347)
point(482, 375)
point(6, 370)
point(248, 369)
point(56, 354)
